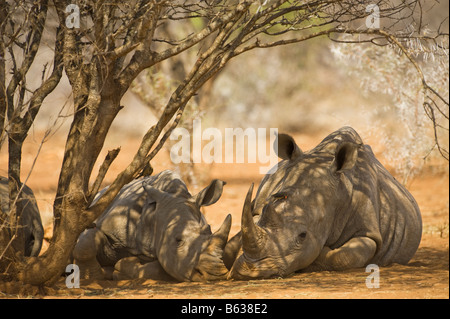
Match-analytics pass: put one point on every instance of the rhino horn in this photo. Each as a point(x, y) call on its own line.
point(252, 235)
point(210, 265)
point(220, 238)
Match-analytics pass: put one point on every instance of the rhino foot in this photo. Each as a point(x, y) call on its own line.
point(91, 270)
point(355, 253)
point(84, 255)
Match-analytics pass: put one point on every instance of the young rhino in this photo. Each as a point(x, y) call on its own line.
point(332, 208)
point(154, 229)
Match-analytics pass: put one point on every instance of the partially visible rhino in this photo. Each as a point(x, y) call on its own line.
point(30, 217)
point(154, 229)
point(332, 208)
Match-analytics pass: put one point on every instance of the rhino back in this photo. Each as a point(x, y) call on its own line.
point(132, 196)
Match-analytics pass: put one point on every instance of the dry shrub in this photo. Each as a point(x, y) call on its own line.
point(402, 125)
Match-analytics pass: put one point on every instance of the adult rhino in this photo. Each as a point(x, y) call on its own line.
point(332, 208)
point(30, 217)
point(154, 229)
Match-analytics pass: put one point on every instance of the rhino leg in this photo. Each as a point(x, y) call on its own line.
point(85, 255)
point(355, 253)
point(132, 268)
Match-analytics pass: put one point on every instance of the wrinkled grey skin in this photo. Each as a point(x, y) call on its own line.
point(154, 229)
point(30, 218)
point(332, 208)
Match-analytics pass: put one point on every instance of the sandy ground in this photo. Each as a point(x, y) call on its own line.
point(426, 276)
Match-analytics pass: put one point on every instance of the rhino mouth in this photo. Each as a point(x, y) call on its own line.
point(246, 268)
point(202, 274)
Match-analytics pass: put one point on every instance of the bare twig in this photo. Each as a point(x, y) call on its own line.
point(110, 157)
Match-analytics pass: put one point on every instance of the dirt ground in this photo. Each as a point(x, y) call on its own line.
point(426, 276)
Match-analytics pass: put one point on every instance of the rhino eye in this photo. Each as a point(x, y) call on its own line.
point(302, 236)
point(179, 241)
point(279, 196)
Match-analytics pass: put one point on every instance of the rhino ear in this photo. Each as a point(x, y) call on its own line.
point(210, 194)
point(345, 157)
point(153, 192)
point(286, 148)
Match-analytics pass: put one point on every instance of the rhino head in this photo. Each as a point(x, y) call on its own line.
point(296, 207)
point(180, 236)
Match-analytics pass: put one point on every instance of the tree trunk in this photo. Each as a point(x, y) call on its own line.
point(84, 143)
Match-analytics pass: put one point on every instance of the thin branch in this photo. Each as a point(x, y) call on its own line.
point(37, 23)
point(258, 44)
point(102, 173)
point(147, 168)
point(49, 85)
point(220, 20)
point(430, 112)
